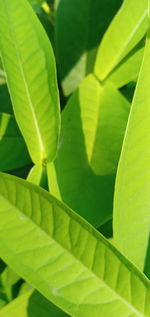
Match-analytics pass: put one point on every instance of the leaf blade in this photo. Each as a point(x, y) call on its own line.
point(124, 34)
point(66, 255)
point(93, 126)
point(33, 87)
point(131, 213)
point(31, 304)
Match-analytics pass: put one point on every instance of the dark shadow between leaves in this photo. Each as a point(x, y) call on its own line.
point(147, 260)
point(39, 306)
point(79, 29)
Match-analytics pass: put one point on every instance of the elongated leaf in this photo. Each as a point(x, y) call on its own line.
point(13, 151)
point(77, 269)
point(38, 176)
point(31, 304)
point(132, 199)
point(80, 25)
point(93, 125)
point(128, 70)
point(30, 67)
point(52, 177)
point(126, 30)
point(48, 25)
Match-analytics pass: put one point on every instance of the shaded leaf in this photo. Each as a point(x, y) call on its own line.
point(31, 304)
point(5, 102)
point(12, 146)
point(80, 26)
point(93, 126)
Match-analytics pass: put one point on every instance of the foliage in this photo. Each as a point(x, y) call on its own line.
point(74, 137)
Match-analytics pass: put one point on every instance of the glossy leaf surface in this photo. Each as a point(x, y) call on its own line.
point(132, 199)
point(128, 69)
point(29, 63)
point(125, 31)
point(77, 268)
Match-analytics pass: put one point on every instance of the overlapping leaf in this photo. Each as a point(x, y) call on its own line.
point(132, 199)
point(128, 69)
point(125, 31)
point(77, 269)
point(80, 25)
point(93, 125)
point(36, 4)
point(30, 67)
point(38, 176)
point(31, 304)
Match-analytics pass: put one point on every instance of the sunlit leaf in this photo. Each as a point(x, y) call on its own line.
point(77, 268)
point(125, 31)
point(29, 63)
point(132, 199)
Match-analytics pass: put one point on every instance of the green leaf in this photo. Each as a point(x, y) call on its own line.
point(48, 25)
point(2, 74)
point(93, 126)
point(36, 4)
point(125, 31)
point(31, 304)
point(132, 199)
point(128, 69)
point(77, 268)
point(38, 176)
point(29, 63)
point(78, 36)
point(52, 177)
point(12, 146)
point(56, 4)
